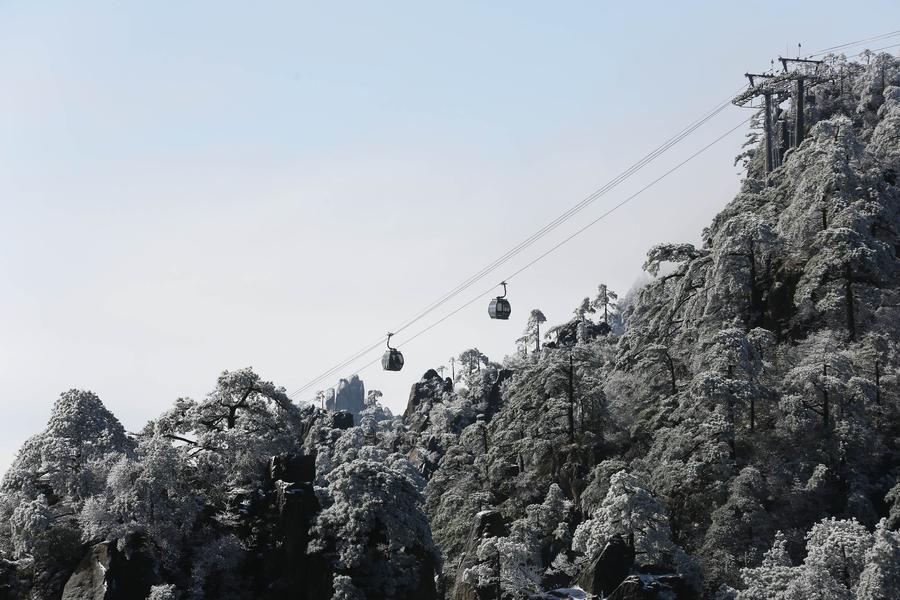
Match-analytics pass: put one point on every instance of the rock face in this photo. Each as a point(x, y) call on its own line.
point(488, 523)
point(342, 420)
point(428, 389)
point(297, 506)
point(607, 571)
point(107, 573)
point(8, 579)
point(132, 571)
point(495, 398)
point(88, 582)
point(295, 468)
point(14, 584)
point(275, 521)
point(425, 588)
point(651, 587)
point(350, 395)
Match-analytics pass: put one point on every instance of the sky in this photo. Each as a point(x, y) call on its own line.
point(190, 187)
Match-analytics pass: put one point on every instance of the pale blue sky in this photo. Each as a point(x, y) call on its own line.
point(196, 186)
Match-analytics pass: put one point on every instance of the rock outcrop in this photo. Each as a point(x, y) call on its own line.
point(294, 468)
point(88, 582)
point(14, 584)
point(113, 570)
point(350, 395)
point(494, 397)
point(342, 419)
point(429, 389)
point(651, 587)
point(609, 569)
point(487, 523)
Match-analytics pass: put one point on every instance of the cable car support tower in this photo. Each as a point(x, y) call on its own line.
point(777, 87)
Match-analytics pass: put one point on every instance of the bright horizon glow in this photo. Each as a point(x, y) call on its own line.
point(186, 189)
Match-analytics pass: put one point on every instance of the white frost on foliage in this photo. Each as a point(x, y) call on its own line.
point(632, 512)
point(374, 507)
point(844, 561)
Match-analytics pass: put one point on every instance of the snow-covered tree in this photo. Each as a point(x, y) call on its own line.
point(740, 529)
point(668, 253)
point(770, 580)
point(374, 526)
point(881, 576)
point(630, 511)
point(533, 327)
point(472, 359)
point(605, 301)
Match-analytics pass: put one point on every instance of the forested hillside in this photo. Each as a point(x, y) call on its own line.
point(727, 430)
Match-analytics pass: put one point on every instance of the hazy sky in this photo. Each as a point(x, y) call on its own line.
point(187, 187)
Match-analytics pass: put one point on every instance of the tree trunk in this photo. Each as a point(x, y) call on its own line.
point(232, 409)
point(877, 384)
point(671, 366)
point(732, 434)
point(499, 591)
point(755, 294)
point(851, 308)
point(752, 413)
point(571, 414)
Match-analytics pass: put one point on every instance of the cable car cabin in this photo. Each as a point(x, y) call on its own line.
point(499, 308)
point(392, 359)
